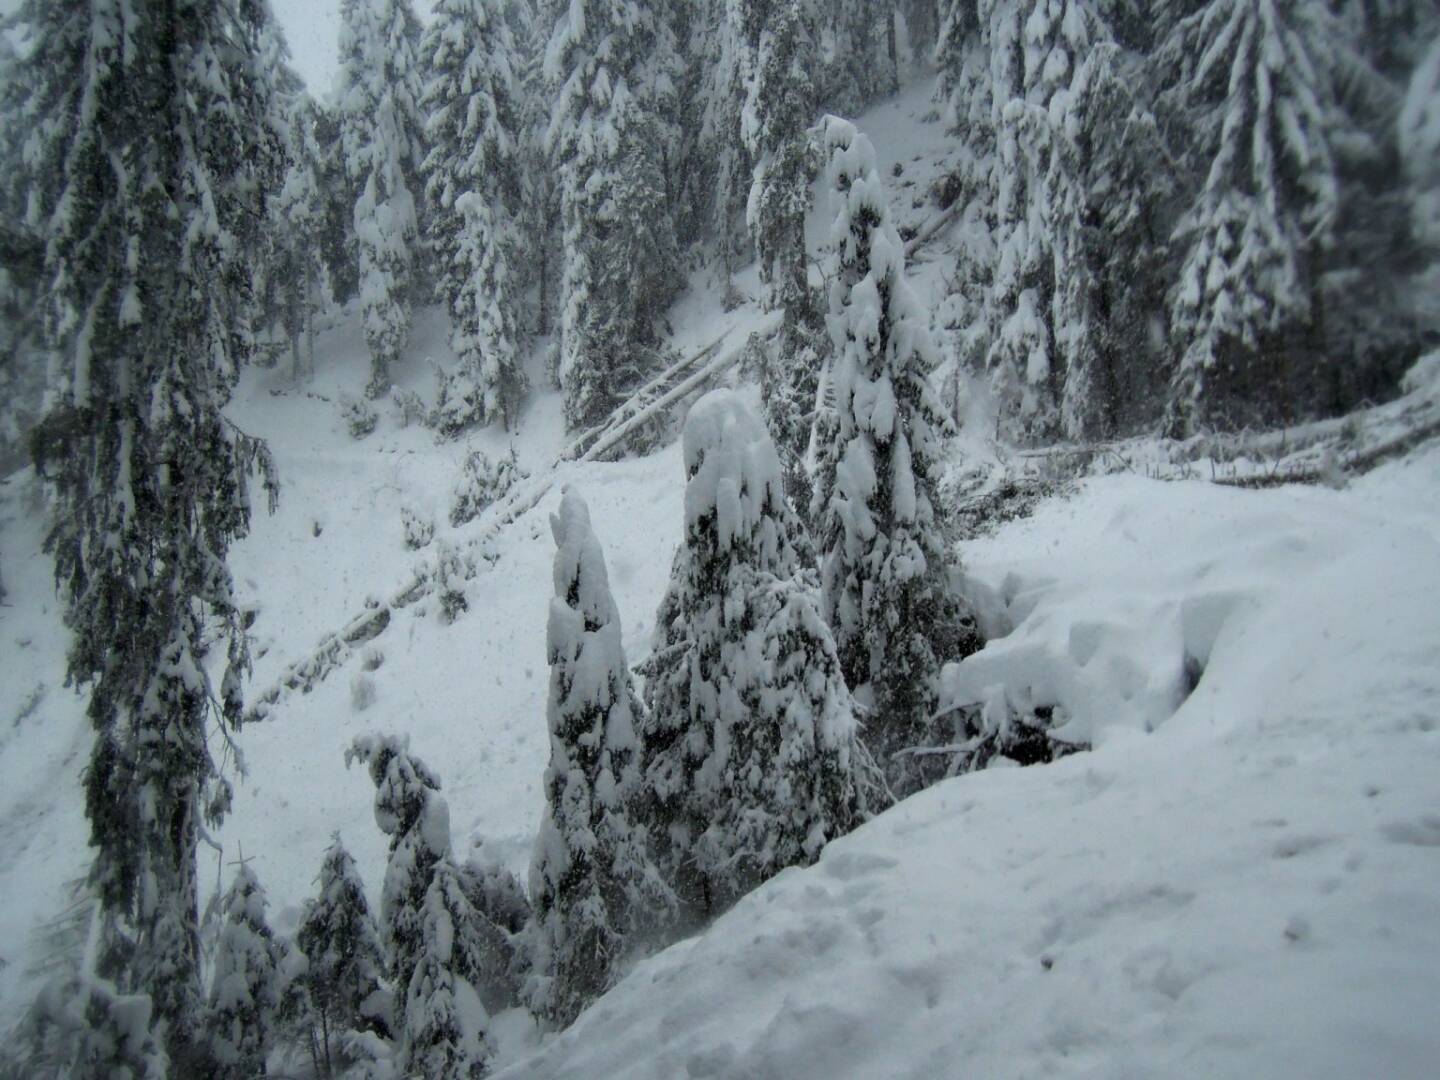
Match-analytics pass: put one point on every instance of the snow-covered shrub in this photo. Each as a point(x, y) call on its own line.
point(481, 483)
point(359, 415)
point(419, 527)
point(749, 740)
point(592, 883)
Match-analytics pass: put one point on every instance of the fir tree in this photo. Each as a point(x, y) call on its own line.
point(473, 187)
point(749, 742)
point(382, 140)
point(142, 163)
point(884, 567)
point(245, 983)
point(592, 884)
point(605, 134)
point(344, 961)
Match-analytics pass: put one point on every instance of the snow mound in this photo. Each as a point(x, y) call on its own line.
point(1249, 891)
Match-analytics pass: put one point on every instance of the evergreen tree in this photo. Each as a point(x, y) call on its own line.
point(338, 249)
point(382, 140)
point(434, 938)
point(592, 884)
point(82, 1025)
point(1263, 85)
point(862, 54)
point(604, 141)
point(142, 161)
point(344, 961)
point(473, 186)
point(922, 21)
point(245, 983)
point(780, 38)
point(299, 226)
point(884, 568)
point(750, 739)
point(1419, 127)
point(441, 1040)
point(411, 811)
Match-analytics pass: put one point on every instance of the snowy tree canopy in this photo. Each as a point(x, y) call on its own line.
point(473, 188)
point(884, 568)
point(382, 141)
point(145, 146)
point(749, 741)
point(591, 880)
point(604, 139)
point(244, 982)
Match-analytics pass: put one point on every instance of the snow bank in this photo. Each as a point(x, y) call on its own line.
point(1249, 891)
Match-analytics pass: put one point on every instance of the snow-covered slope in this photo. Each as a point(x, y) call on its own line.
point(1251, 890)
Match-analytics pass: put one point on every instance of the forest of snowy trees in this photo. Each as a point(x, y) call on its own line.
point(1173, 217)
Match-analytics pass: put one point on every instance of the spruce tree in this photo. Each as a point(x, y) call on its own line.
point(142, 165)
point(592, 883)
point(749, 739)
point(382, 141)
point(885, 570)
point(604, 141)
point(344, 960)
point(241, 1015)
point(473, 187)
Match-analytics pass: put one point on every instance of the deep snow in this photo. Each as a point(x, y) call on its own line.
point(1250, 888)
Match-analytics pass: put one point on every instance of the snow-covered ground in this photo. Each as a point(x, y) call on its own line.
point(1241, 881)
point(1253, 889)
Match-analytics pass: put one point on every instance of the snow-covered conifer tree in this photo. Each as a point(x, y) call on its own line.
point(298, 210)
point(1264, 85)
point(749, 739)
point(884, 567)
point(782, 58)
point(1420, 141)
point(411, 811)
point(344, 961)
point(82, 1025)
point(442, 1040)
point(473, 189)
point(620, 268)
point(434, 938)
point(142, 161)
point(592, 883)
point(861, 54)
point(382, 140)
point(244, 983)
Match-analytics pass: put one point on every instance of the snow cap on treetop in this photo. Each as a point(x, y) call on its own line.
point(732, 466)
